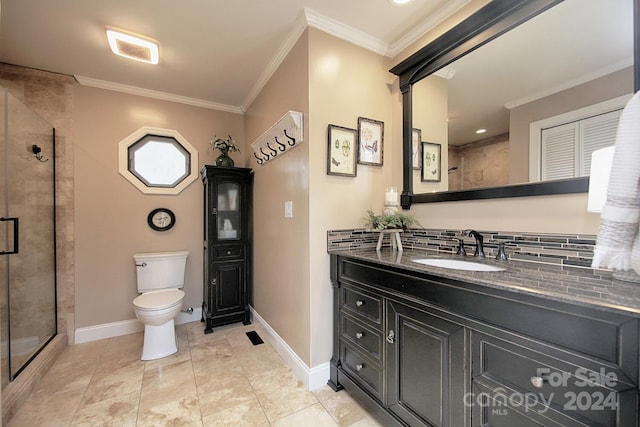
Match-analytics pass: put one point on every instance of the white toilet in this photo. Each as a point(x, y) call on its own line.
point(159, 277)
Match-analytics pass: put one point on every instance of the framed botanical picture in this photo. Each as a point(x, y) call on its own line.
point(370, 141)
point(431, 162)
point(341, 153)
point(416, 139)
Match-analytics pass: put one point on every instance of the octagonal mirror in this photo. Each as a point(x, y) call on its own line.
point(158, 161)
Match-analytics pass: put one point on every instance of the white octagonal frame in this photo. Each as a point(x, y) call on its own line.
point(123, 160)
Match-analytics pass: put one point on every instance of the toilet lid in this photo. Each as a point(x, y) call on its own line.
point(158, 300)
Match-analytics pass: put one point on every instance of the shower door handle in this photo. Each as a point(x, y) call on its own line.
point(16, 239)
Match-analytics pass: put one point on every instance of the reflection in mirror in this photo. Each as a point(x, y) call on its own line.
point(560, 71)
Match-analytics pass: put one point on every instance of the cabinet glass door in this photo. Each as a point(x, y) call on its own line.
point(229, 217)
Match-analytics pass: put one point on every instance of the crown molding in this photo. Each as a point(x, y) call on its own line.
point(310, 18)
point(289, 42)
point(307, 18)
point(133, 90)
point(345, 32)
point(449, 8)
point(571, 83)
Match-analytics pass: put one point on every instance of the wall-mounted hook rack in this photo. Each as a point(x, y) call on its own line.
point(285, 134)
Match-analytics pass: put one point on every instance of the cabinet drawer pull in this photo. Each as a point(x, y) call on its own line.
point(359, 335)
point(537, 382)
point(228, 252)
point(359, 303)
point(391, 338)
point(359, 366)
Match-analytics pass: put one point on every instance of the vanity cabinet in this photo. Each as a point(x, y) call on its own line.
point(227, 245)
point(421, 350)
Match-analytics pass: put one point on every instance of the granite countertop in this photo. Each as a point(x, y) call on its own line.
point(583, 286)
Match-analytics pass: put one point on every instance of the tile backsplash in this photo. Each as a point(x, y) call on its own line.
point(575, 250)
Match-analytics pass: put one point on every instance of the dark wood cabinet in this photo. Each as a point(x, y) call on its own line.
point(420, 350)
point(227, 245)
point(426, 363)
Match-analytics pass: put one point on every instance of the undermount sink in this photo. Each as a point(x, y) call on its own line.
point(456, 264)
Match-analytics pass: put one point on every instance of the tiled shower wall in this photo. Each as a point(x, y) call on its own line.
point(51, 96)
point(575, 250)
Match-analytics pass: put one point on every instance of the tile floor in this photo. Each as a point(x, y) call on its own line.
point(218, 379)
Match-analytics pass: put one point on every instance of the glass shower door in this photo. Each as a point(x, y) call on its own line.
point(27, 235)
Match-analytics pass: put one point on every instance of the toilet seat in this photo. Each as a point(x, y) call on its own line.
point(158, 300)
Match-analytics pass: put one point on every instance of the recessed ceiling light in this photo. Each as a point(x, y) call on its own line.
point(399, 2)
point(132, 46)
point(481, 131)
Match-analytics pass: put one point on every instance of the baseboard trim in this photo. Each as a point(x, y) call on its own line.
point(126, 327)
point(313, 378)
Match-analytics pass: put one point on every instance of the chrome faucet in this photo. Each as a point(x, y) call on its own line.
point(479, 242)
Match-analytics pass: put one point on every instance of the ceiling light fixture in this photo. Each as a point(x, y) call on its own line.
point(399, 2)
point(481, 131)
point(132, 46)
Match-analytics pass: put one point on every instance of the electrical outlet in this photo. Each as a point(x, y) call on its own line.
point(288, 209)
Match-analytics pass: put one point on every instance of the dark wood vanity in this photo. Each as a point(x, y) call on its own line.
point(430, 346)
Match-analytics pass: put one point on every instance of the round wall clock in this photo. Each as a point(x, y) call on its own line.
point(161, 219)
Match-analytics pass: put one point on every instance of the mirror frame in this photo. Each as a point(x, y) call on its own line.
point(489, 22)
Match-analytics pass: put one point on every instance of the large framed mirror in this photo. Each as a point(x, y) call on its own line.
point(523, 70)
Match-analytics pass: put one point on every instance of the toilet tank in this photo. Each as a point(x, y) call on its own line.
point(160, 270)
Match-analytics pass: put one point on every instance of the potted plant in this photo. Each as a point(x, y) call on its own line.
point(225, 146)
point(384, 221)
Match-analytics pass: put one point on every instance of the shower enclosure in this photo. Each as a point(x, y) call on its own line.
point(27, 235)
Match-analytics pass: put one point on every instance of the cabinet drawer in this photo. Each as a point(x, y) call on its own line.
point(363, 370)
point(362, 304)
point(365, 338)
point(578, 388)
point(228, 252)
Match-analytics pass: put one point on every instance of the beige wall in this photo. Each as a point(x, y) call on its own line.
point(281, 256)
point(430, 115)
point(345, 81)
point(111, 214)
point(542, 214)
point(598, 90)
point(332, 82)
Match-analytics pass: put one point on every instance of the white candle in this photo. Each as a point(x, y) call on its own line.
point(391, 195)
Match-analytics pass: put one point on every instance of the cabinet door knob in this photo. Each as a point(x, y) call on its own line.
point(537, 382)
point(228, 252)
point(359, 366)
point(359, 335)
point(391, 338)
point(359, 303)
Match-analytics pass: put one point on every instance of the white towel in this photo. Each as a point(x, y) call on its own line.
point(618, 243)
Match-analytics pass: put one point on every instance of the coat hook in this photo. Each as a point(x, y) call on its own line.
point(292, 139)
point(275, 153)
point(282, 147)
point(259, 160)
point(266, 156)
point(37, 152)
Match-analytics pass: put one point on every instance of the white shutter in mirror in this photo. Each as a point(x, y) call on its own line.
point(558, 151)
point(566, 149)
point(595, 133)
